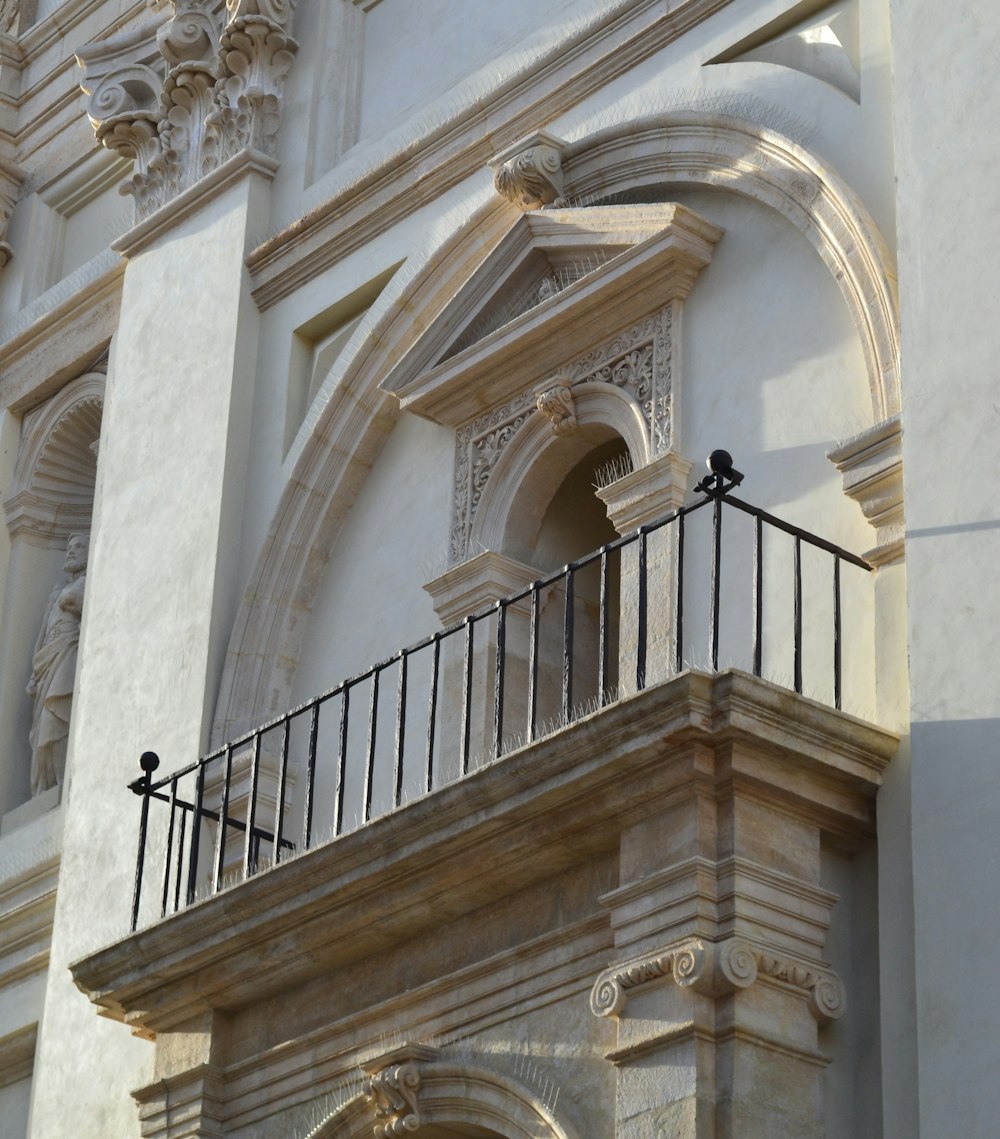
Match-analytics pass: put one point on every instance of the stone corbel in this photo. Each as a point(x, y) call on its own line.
point(554, 399)
point(715, 969)
point(529, 173)
point(393, 1087)
point(872, 468)
point(181, 98)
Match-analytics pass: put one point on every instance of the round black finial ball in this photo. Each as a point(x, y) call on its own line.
point(720, 462)
point(149, 761)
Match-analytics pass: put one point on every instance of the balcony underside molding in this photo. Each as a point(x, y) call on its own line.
point(528, 816)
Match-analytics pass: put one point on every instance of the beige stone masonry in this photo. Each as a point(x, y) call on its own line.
point(872, 467)
point(709, 795)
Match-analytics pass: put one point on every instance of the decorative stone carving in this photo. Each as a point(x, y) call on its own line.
point(392, 1087)
point(555, 401)
point(182, 99)
point(716, 969)
point(638, 361)
point(53, 670)
point(529, 173)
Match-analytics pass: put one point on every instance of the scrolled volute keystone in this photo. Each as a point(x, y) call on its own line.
point(554, 399)
point(529, 173)
point(393, 1086)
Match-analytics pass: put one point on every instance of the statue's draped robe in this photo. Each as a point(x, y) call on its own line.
point(54, 669)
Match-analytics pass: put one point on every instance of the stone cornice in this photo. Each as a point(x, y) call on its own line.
point(587, 781)
point(375, 195)
point(872, 468)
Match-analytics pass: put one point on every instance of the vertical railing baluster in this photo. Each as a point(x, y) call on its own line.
point(567, 653)
point(345, 711)
point(602, 652)
point(220, 838)
point(716, 582)
point(640, 641)
point(467, 694)
point(432, 709)
point(165, 898)
point(798, 614)
point(679, 598)
point(279, 829)
point(179, 868)
point(498, 679)
point(307, 822)
point(370, 763)
point(758, 595)
point(533, 662)
point(149, 761)
point(837, 674)
point(249, 859)
point(195, 848)
point(397, 751)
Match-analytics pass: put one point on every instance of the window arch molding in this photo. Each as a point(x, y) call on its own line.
point(327, 467)
point(537, 455)
point(458, 1096)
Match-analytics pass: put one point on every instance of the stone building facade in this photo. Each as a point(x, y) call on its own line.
point(504, 773)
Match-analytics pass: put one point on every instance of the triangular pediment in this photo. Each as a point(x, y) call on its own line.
point(558, 283)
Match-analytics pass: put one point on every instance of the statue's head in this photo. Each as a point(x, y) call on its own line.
point(77, 549)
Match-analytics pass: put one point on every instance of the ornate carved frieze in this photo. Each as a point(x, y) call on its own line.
point(182, 98)
point(529, 173)
point(393, 1088)
point(717, 968)
point(637, 361)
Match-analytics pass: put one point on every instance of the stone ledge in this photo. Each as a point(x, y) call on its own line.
point(534, 812)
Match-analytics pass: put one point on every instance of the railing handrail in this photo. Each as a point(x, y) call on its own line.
point(714, 489)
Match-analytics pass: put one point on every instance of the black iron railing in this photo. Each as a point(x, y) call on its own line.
point(607, 625)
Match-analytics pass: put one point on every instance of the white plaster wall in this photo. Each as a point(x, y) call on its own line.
point(159, 590)
point(949, 285)
point(416, 52)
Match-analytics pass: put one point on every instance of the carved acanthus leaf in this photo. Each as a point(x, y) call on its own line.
point(393, 1091)
point(529, 174)
point(182, 97)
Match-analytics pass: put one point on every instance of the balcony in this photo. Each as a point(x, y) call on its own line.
point(716, 584)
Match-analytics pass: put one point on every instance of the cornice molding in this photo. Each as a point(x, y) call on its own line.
point(376, 191)
point(872, 468)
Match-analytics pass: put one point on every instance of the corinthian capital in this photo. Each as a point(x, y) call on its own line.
point(182, 95)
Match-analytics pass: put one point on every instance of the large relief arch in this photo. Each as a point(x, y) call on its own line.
point(493, 258)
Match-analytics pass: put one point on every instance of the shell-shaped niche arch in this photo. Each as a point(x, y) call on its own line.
point(53, 487)
point(453, 1097)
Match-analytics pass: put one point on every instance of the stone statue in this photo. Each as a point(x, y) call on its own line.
point(53, 670)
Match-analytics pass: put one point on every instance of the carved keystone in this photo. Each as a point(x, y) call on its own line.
point(392, 1088)
point(529, 173)
point(554, 399)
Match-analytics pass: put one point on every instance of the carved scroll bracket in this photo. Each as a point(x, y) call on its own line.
point(393, 1088)
point(529, 173)
point(181, 98)
point(715, 969)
